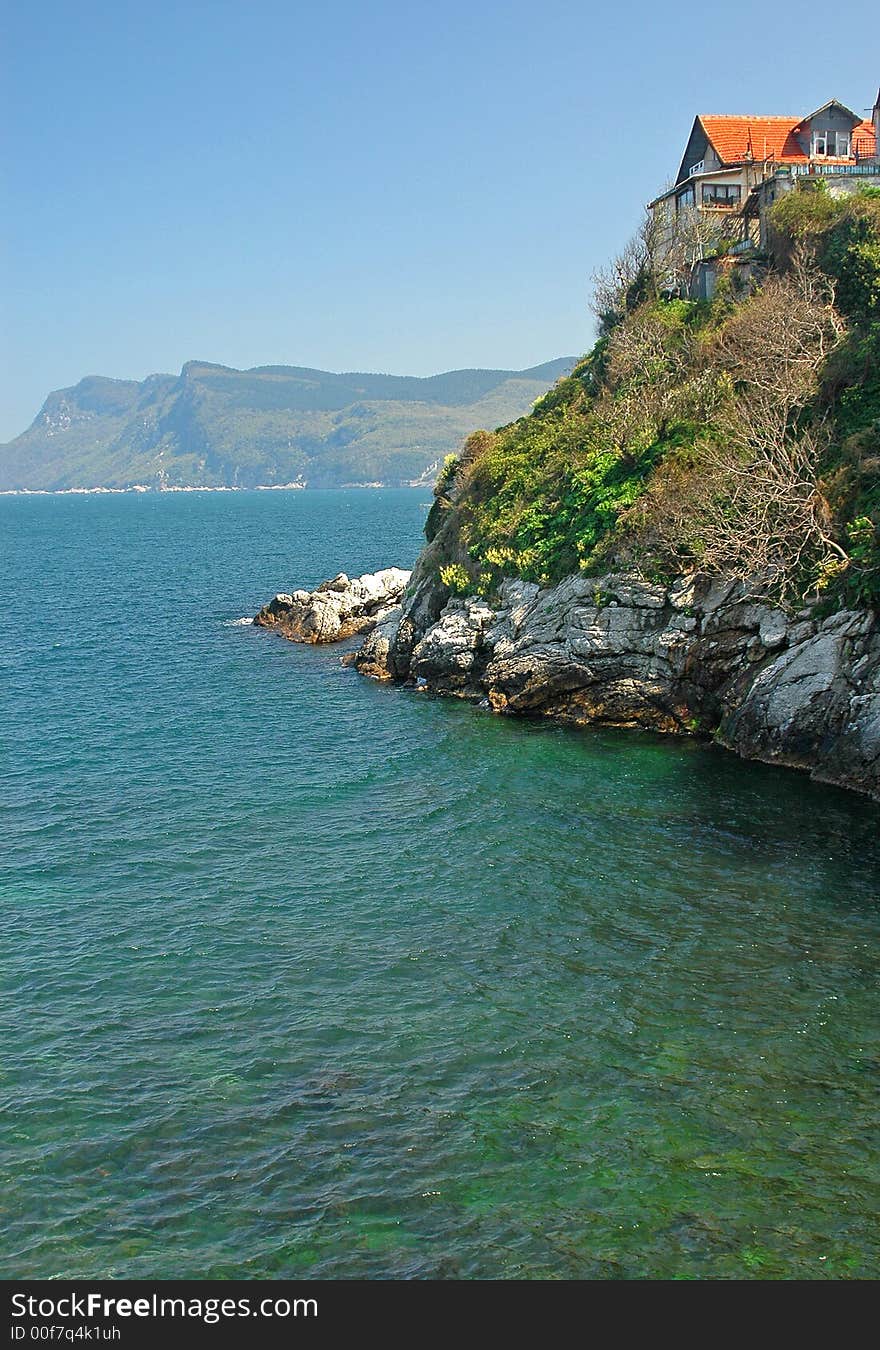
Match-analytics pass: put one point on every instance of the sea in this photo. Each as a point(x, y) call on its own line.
point(307, 976)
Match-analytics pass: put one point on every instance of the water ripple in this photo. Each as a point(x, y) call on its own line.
point(314, 977)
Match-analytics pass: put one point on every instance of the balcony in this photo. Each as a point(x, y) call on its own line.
point(720, 197)
point(820, 169)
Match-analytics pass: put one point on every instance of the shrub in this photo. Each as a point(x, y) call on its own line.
point(456, 577)
point(805, 211)
point(447, 473)
point(740, 434)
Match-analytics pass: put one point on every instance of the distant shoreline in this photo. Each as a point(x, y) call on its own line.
point(141, 489)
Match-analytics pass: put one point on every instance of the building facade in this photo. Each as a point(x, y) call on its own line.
point(735, 167)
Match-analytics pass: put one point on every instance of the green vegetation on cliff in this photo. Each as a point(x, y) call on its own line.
point(740, 435)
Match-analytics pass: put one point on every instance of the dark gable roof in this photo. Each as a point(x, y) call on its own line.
point(699, 131)
point(832, 103)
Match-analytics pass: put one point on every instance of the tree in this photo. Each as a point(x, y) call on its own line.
point(627, 280)
point(685, 239)
point(748, 502)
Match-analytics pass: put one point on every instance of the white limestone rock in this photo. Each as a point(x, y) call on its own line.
point(337, 609)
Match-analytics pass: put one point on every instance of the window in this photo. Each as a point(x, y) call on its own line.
point(721, 194)
point(685, 199)
point(835, 143)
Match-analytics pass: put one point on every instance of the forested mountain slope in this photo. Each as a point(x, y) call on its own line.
point(218, 427)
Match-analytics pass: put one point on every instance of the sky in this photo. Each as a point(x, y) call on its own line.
point(390, 186)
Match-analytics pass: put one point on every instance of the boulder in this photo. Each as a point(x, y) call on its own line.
point(373, 657)
point(337, 609)
point(446, 655)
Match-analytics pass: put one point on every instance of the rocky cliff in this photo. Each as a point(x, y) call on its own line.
point(336, 609)
point(697, 657)
point(701, 656)
point(684, 533)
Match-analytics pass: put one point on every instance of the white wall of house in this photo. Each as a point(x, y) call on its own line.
point(709, 161)
point(844, 185)
point(690, 196)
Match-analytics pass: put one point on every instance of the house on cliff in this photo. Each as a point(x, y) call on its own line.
point(735, 167)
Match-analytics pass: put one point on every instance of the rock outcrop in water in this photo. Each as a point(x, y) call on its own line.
point(337, 609)
point(699, 656)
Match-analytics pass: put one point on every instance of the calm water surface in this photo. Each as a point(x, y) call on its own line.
point(306, 976)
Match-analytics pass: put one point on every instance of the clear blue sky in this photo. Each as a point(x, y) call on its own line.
point(391, 186)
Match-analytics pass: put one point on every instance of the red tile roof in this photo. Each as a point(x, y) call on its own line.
point(738, 138)
point(864, 140)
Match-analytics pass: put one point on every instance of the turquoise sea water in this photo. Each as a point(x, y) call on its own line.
point(308, 976)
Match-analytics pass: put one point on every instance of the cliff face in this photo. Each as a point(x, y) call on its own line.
point(698, 656)
point(684, 534)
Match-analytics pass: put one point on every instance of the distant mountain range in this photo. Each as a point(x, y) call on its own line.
point(211, 426)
